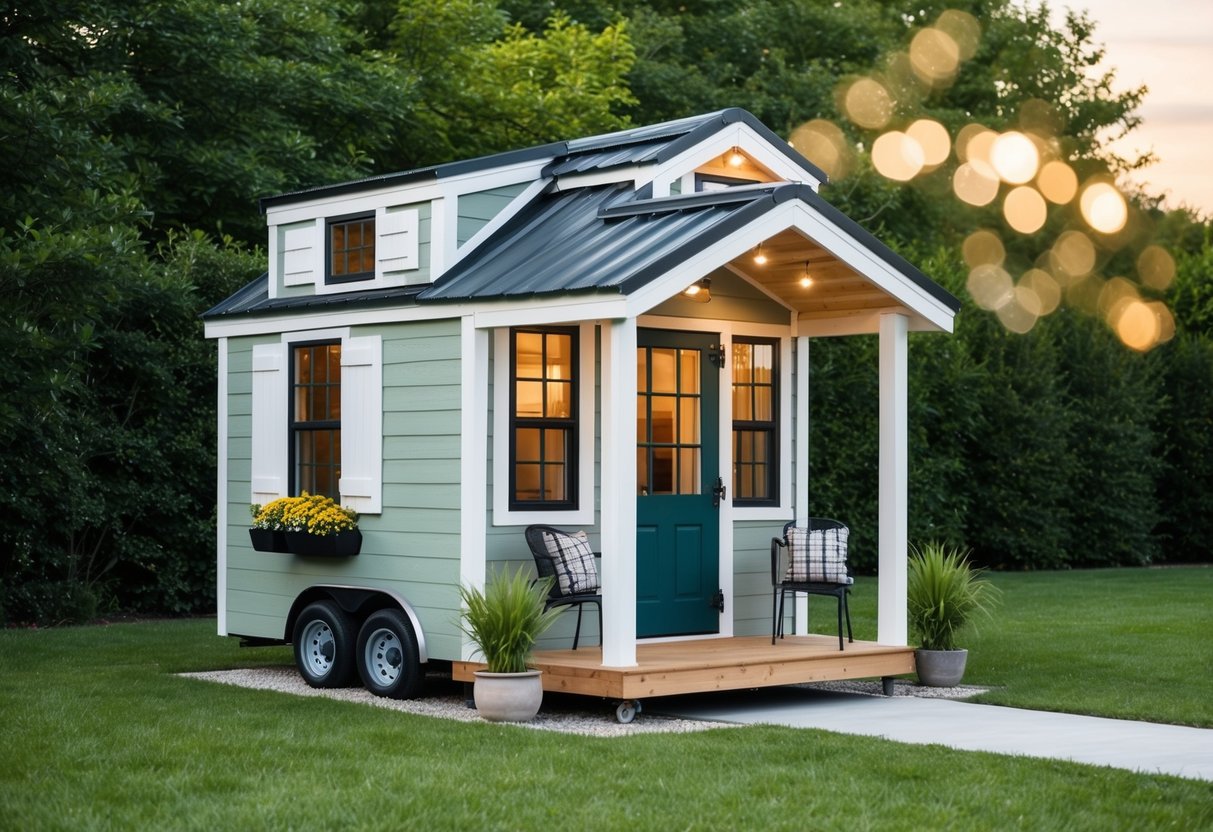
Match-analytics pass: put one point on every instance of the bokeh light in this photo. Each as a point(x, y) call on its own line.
point(824, 144)
point(1057, 181)
point(974, 145)
point(1103, 208)
point(1073, 255)
point(990, 286)
point(934, 56)
point(867, 103)
point(976, 183)
point(1041, 293)
point(964, 30)
point(1015, 157)
point(897, 156)
point(1025, 209)
point(1156, 267)
point(983, 247)
point(933, 138)
point(1014, 315)
point(1136, 323)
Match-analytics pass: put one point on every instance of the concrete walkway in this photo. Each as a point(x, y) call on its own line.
point(1144, 747)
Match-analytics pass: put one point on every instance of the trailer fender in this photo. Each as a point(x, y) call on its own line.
point(360, 602)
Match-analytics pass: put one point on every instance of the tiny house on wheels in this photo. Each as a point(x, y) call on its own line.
point(608, 334)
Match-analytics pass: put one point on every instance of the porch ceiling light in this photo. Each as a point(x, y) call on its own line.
point(700, 291)
point(736, 158)
point(807, 280)
point(759, 257)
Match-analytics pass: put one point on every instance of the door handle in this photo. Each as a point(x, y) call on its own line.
point(718, 492)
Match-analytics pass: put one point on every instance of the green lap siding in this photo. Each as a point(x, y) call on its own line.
point(476, 210)
point(413, 547)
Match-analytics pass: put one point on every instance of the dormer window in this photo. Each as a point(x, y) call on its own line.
point(351, 249)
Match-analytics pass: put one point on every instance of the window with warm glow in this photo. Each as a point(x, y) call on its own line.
point(755, 422)
point(315, 447)
point(543, 409)
point(351, 249)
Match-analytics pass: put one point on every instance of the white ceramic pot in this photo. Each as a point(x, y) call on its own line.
point(508, 697)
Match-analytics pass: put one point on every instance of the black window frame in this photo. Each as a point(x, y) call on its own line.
point(717, 179)
point(770, 428)
point(295, 427)
point(348, 219)
point(572, 424)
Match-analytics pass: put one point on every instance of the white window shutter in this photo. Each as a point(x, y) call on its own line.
point(361, 482)
point(269, 427)
point(398, 245)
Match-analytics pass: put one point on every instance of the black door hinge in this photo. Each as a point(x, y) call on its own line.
point(718, 492)
point(717, 602)
point(716, 355)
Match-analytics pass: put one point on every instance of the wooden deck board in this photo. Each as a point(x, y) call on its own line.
point(712, 664)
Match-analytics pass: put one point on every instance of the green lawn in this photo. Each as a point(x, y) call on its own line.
point(97, 734)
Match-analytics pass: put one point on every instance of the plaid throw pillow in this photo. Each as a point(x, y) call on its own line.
point(818, 556)
point(574, 562)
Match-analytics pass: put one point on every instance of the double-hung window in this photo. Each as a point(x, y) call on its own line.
point(351, 249)
point(543, 418)
point(755, 422)
point(315, 419)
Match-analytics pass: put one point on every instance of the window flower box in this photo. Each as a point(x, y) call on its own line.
point(343, 544)
point(268, 540)
point(310, 524)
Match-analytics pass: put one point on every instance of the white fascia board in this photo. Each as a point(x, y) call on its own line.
point(272, 325)
point(404, 193)
point(632, 174)
point(503, 216)
point(799, 216)
point(864, 323)
point(744, 138)
point(864, 261)
point(560, 310)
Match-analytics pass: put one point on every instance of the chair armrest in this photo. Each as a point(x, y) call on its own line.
point(776, 545)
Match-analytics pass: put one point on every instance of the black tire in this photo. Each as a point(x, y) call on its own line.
point(324, 645)
point(387, 656)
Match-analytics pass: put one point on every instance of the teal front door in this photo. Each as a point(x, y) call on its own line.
point(677, 470)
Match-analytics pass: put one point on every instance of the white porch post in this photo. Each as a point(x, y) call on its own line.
point(618, 508)
point(894, 479)
point(801, 485)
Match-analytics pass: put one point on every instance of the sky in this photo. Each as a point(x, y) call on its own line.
point(1168, 46)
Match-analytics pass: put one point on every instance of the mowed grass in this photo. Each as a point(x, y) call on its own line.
point(97, 733)
point(1123, 643)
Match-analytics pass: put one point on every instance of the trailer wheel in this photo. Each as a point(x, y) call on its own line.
point(324, 645)
point(387, 656)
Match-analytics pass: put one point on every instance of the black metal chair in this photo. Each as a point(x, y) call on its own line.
point(814, 582)
point(546, 565)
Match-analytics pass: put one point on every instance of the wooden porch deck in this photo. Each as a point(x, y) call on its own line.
point(711, 664)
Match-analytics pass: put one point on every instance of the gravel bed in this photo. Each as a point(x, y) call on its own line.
point(445, 699)
point(564, 713)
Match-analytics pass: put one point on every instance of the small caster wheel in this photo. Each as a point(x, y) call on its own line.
point(626, 711)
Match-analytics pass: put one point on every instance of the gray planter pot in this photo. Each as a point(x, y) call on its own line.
point(940, 668)
point(508, 697)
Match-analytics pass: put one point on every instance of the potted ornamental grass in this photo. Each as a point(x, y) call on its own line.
point(310, 524)
point(944, 594)
point(504, 621)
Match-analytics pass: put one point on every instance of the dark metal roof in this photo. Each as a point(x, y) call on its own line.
point(654, 143)
point(599, 240)
point(254, 299)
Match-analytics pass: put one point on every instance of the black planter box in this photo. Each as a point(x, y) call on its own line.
point(265, 540)
point(340, 545)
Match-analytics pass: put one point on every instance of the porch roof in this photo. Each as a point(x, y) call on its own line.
point(602, 240)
